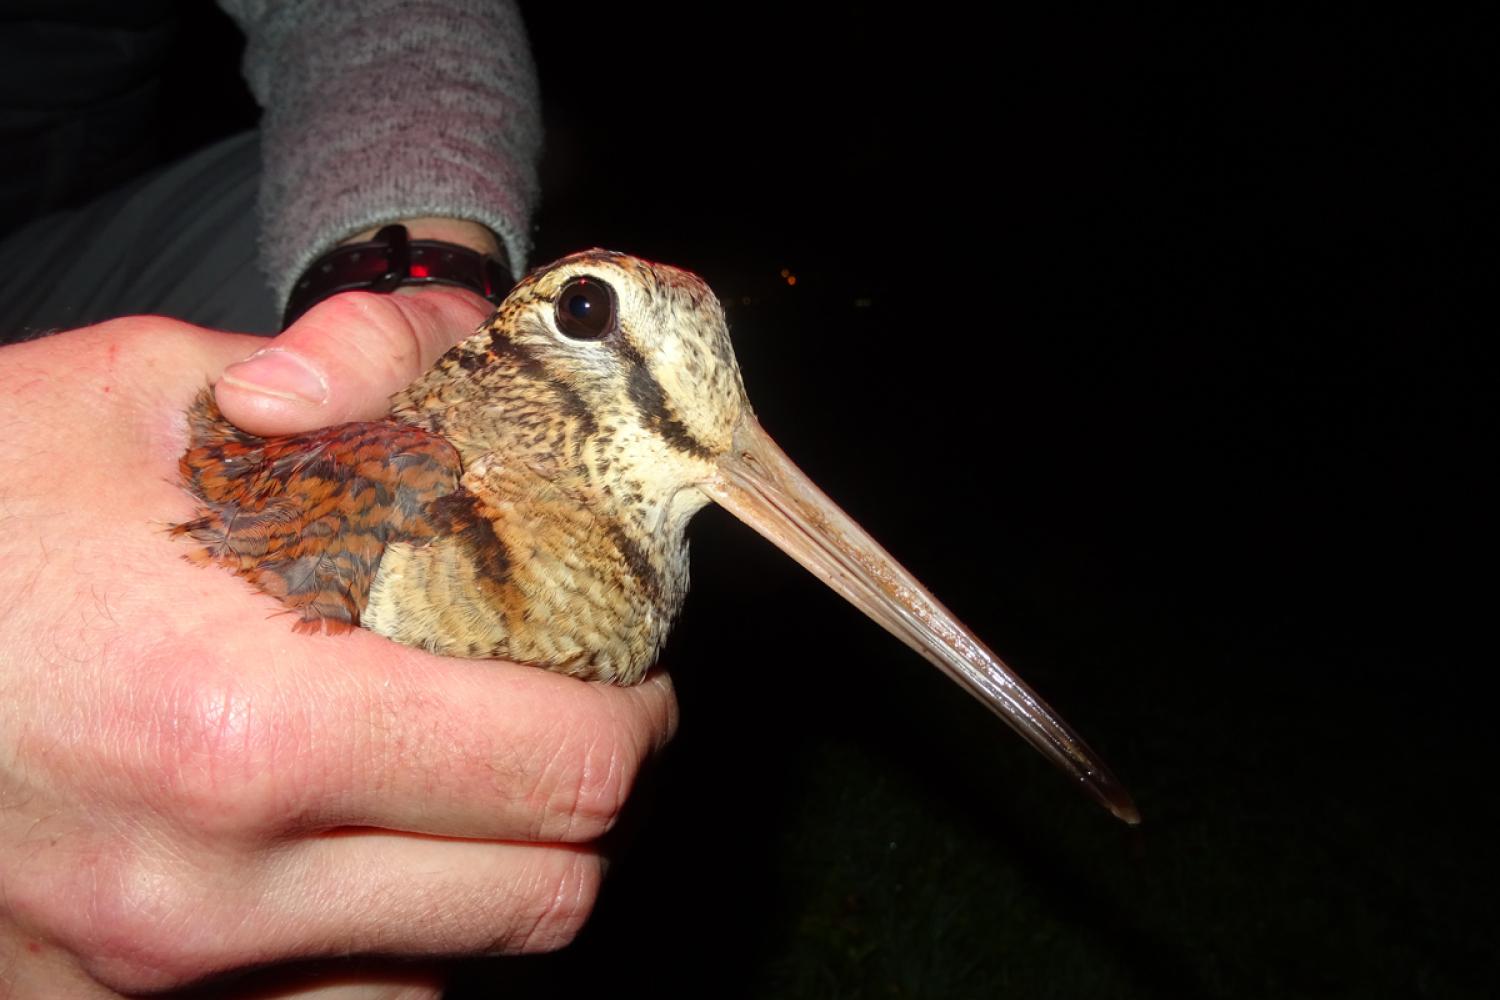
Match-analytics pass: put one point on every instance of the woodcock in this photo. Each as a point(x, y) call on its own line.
point(528, 498)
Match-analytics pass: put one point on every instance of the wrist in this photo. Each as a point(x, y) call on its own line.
point(392, 257)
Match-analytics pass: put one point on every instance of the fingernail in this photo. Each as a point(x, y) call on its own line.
point(279, 373)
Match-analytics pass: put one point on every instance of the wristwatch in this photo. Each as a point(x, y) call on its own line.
point(391, 260)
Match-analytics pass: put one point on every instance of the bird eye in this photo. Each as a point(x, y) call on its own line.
point(586, 309)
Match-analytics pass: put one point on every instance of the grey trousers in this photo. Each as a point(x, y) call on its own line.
point(179, 242)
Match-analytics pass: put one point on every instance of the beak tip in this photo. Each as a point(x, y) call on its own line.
point(1104, 788)
point(1113, 796)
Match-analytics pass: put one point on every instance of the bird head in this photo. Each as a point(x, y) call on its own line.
point(643, 343)
point(603, 363)
point(621, 371)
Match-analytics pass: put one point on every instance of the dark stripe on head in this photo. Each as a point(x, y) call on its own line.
point(569, 403)
point(651, 400)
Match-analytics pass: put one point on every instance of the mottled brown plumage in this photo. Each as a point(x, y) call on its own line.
point(307, 518)
point(528, 498)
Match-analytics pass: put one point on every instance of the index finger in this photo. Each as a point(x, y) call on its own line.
point(487, 749)
point(355, 730)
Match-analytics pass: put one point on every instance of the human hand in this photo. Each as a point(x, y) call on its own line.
point(189, 788)
point(345, 358)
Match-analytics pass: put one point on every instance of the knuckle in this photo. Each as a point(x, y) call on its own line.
point(559, 905)
point(218, 757)
point(147, 342)
point(149, 336)
point(371, 328)
point(141, 925)
point(355, 306)
point(586, 782)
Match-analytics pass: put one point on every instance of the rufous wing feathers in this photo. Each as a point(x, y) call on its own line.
point(306, 518)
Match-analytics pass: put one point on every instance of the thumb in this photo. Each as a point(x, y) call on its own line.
point(345, 357)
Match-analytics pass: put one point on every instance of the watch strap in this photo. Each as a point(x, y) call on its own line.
point(391, 260)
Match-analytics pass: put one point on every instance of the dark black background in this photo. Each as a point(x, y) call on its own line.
point(1149, 343)
point(1168, 384)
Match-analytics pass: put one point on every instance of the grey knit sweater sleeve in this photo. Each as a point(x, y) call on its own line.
point(378, 110)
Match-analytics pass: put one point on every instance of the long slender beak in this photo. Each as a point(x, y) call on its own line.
point(762, 487)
